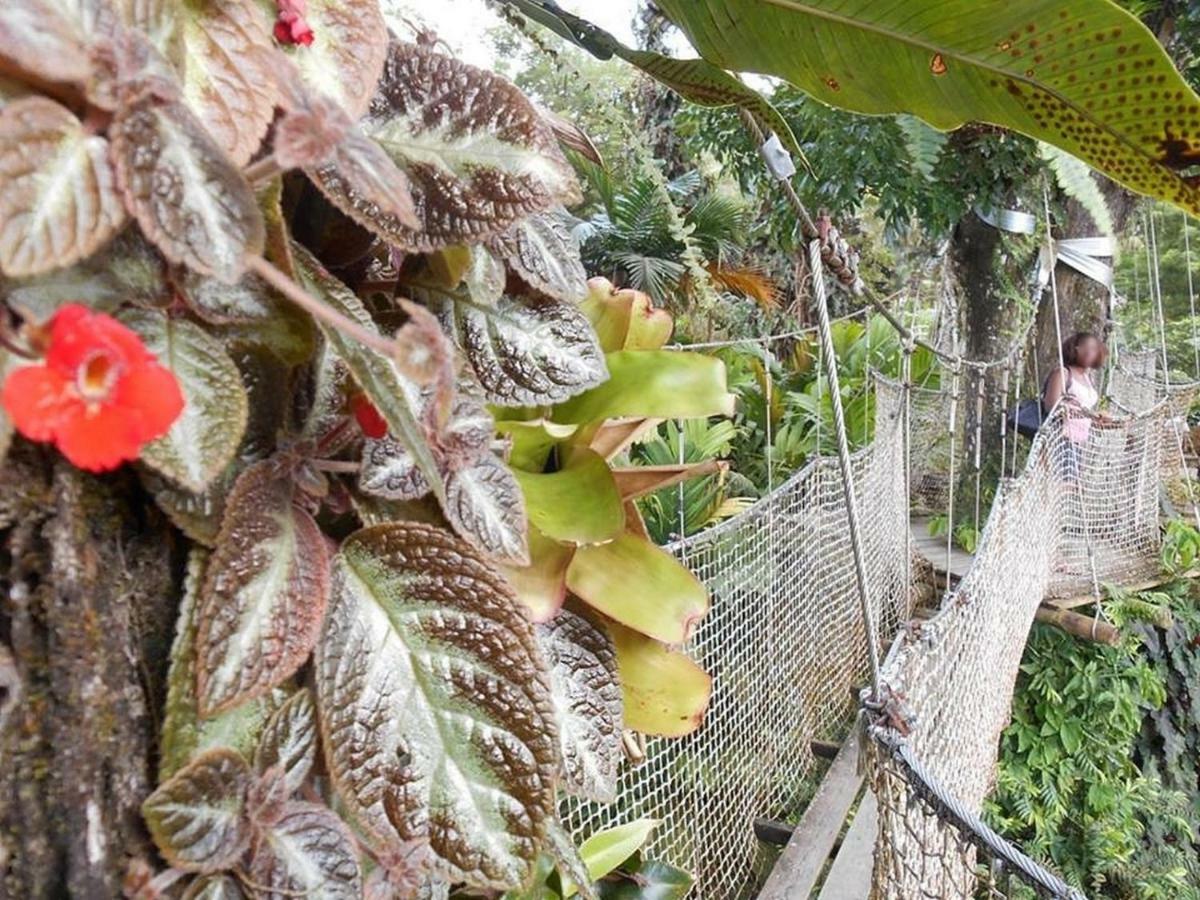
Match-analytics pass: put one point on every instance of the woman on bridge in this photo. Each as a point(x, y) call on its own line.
point(1072, 384)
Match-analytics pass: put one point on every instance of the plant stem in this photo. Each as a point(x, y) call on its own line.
point(263, 170)
point(336, 465)
point(319, 310)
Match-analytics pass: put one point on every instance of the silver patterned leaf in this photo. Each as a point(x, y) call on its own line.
point(526, 352)
point(587, 701)
point(184, 732)
point(389, 471)
point(485, 505)
point(190, 200)
point(542, 250)
point(53, 39)
point(365, 183)
point(58, 196)
point(264, 595)
point(346, 57)
point(306, 852)
point(250, 299)
point(434, 705)
point(196, 817)
point(477, 154)
point(224, 58)
point(289, 740)
point(205, 437)
point(484, 275)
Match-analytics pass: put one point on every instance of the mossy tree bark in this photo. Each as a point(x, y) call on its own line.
point(90, 580)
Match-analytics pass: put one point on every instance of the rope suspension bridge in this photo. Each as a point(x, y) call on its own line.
point(814, 603)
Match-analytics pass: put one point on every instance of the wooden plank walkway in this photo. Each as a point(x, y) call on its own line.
point(799, 867)
point(933, 549)
point(850, 875)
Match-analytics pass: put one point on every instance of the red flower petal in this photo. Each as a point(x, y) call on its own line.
point(150, 396)
point(100, 439)
point(39, 400)
point(373, 425)
point(76, 333)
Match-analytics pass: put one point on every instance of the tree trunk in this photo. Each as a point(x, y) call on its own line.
point(1083, 304)
point(89, 571)
point(984, 265)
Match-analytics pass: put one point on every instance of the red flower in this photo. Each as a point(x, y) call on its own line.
point(100, 396)
point(370, 421)
point(290, 26)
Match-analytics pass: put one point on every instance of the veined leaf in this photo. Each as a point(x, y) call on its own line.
point(345, 59)
point(526, 352)
point(542, 585)
point(541, 249)
point(654, 383)
point(625, 320)
point(478, 155)
point(390, 471)
point(1089, 78)
point(224, 57)
point(58, 195)
point(579, 503)
point(205, 437)
point(185, 193)
point(396, 398)
point(249, 300)
point(184, 732)
point(308, 852)
point(214, 887)
point(664, 691)
point(196, 816)
point(434, 706)
point(641, 586)
point(587, 701)
point(264, 595)
point(365, 183)
point(289, 740)
point(573, 874)
point(52, 38)
point(485, 505)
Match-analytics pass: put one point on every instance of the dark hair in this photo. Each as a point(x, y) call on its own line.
point(1071, 346)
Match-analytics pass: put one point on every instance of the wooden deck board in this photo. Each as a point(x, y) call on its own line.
point(804, 858)
point(850, 875)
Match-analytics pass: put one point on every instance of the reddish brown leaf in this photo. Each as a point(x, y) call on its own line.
point(264, 595)
point(185, 193)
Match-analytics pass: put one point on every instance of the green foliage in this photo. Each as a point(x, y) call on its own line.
point(788, 397)
point(1181, 547)
point(705, 499)
point(1069, 790)
point(893, 57)
point(1169, 744)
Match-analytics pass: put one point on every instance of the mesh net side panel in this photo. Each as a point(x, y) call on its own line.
point(1086, 482)
point(785, 644)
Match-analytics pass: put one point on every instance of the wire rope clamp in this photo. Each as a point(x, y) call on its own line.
point(778, 160)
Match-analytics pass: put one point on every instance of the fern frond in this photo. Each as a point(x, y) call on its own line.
point(1074, 178)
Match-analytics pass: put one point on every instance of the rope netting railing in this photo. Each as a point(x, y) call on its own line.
point(786, 646)
point(1084, 509)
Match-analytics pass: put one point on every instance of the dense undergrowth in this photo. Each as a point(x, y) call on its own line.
point(1098, 768)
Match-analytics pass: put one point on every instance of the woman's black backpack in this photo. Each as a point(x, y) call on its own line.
point(1027, 416)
